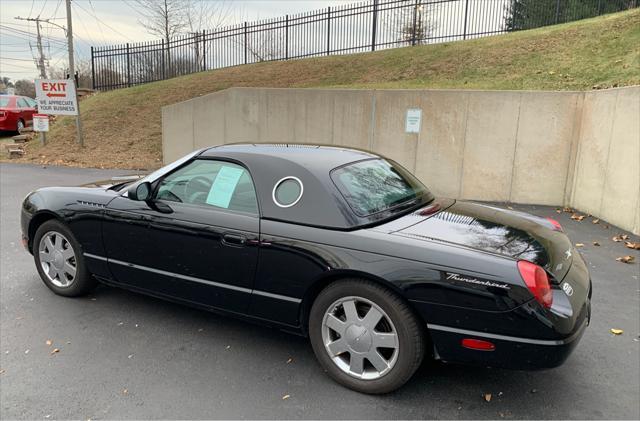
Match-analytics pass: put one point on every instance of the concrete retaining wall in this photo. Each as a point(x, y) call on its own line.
point(552, 148)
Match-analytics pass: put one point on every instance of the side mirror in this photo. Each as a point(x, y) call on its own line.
point(141, 192)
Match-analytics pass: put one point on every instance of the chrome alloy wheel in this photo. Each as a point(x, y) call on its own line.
point(360, 338)
point(57, 259)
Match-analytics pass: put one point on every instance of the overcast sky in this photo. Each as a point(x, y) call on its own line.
point(101, 22)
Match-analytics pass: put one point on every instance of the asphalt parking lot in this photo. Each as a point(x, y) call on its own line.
point(127, 356)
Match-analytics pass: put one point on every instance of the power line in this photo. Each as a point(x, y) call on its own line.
point(98, 22)
point(104, 23)
point(16, 59)
point(42, 10)
point(40, 62)
point(33, 2)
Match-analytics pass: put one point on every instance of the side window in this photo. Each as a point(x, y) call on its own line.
point(206, 182)
point(22, 103)
point(31, 102)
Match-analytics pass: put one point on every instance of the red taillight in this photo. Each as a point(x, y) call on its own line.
point(556, 224)
point(537, 281)
point(477, 344)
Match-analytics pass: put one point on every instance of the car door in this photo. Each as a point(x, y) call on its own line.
point(196, 240)
point(26, 111)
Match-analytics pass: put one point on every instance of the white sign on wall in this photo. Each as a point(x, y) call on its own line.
point(413, 120)
point(56, 96)
point(40, 123)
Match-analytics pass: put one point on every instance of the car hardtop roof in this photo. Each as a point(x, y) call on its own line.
point(327, 156)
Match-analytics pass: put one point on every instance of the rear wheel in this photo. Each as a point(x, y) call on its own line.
point(59, 260)
point(20, 125)
point(365, 336)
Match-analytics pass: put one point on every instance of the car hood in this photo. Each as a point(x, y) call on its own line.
point(113, 181)
point(509, 233)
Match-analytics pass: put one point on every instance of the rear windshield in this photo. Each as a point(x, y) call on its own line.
point(377, 185)
point(4, 101)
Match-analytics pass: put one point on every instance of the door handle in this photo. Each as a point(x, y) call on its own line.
point(234, 239)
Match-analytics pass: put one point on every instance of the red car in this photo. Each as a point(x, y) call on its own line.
point(16, 112)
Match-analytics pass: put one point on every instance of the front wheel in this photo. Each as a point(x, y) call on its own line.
point(59, 260)
point(365, 336)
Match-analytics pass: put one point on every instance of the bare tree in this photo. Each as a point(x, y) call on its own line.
point(267, 46)
point(417, 25)
point(165, 19)
point(201, 15)
point(83, 68)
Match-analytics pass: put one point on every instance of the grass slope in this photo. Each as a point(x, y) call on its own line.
point(123, 127)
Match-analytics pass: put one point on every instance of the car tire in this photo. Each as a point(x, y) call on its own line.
point(19, 126)
point(340, 348)
point(60, 262)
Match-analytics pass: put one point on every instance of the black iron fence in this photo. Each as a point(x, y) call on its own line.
point(358, 27)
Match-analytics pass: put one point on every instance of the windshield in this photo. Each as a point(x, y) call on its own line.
point(377, 185)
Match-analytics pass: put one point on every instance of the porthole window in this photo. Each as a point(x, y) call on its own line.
point(287, 192)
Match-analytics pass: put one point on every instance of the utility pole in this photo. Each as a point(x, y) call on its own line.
point(72, 70)
point(40, 60)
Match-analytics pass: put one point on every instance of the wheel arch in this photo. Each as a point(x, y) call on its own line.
point(337, 275)
point(36, 221)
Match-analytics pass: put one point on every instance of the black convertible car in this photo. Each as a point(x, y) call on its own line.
point(341, 245)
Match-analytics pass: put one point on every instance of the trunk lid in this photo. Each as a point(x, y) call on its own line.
point(494, 230)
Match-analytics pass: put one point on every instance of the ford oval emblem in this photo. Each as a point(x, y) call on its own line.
point(567, 289)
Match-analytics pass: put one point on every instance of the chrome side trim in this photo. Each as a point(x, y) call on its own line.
point(194, 279)
point(505, 337)
point(277, 296)
point(93, 256)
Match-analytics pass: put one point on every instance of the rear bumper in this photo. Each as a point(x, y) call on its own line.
point(510, 351)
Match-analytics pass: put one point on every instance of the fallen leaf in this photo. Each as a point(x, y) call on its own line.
point(125, 391)
point(286, 397)
point(130, 356)
point(228, 347)
point(617, 331)
point(568, 210)
point(290, 360)
point(26, 351)
point(509, 207)
point(49, 342)
point(534, 390)
point(632, 245)
point(558, 210)
point(487, 397)
point(595, 243)
point(577, 217)
point(595, 221)
point(55, 351)
point(620, 237)
point(1, 371)
point(626, 259)
point(579, 245)
point(121, 323)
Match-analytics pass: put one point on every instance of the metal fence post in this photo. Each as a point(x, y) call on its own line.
point(374, 25)
point(466, 17)
point(328, 30)
point(286, 37)
point(128, 67)
point(415, 16)
point(204, 50)
point(599, 7)
point(164, 64)
point(93, 71)
point(557, 10)
point(245, 43)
